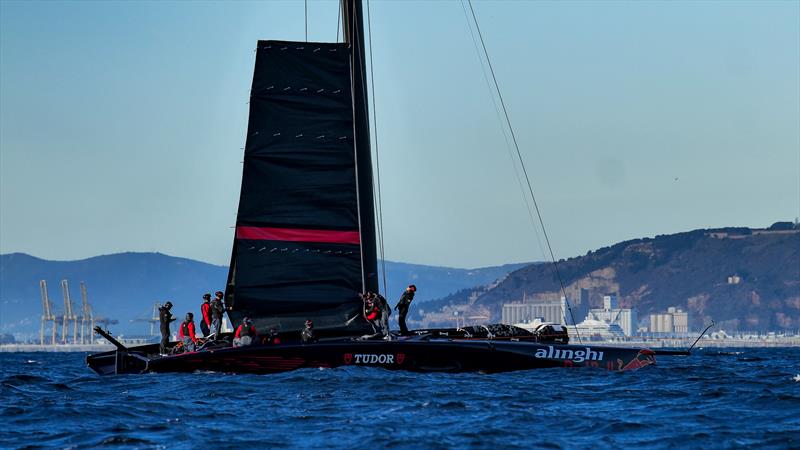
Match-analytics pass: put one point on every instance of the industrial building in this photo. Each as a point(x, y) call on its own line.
point(673, 322)
point(547, 307)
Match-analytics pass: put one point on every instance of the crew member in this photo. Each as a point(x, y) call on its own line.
point(217, 311)
point(272, 337)
point(245, 333)
point(164, 319)
point(307, 335)
point(385, 310)
point(402, 306)
point(373, 314)
point(205, 310)
point(186, 333)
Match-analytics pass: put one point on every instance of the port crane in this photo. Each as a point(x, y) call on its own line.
point(47, 314)
point(153, 319)
point(87, 317)
point(69, 316)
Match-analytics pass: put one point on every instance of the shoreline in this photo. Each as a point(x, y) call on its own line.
point(678, 343)
point(705, 343)
point(63, 348)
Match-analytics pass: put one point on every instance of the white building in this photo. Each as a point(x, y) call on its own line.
point(549, 307)
point(548, 310)
point(612, 314)
point(597, 330)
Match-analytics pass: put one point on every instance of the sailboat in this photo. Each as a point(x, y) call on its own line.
point(305, 240)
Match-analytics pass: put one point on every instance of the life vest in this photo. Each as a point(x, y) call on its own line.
point(217, 309)
point(374, 313)
point(164, 317)
point(405, 300)
point(244, 330)
point(185, 329)
point(307, 335)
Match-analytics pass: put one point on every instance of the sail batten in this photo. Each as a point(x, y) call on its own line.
point(297, 247)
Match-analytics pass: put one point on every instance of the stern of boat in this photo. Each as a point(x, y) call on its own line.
point(117, 362)
point(121, 360)
point(644, 357)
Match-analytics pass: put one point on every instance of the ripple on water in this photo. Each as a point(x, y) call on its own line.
point(711, 399)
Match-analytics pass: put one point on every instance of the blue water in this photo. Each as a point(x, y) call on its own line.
point(713, 399)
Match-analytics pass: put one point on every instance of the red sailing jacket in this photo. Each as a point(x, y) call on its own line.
point(205, 309)
point(239, 331)
point(189, 331)
point(374, 313)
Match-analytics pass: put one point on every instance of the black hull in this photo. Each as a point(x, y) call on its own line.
point(488, 356)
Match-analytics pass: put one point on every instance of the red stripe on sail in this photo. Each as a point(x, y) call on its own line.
point(298, 235)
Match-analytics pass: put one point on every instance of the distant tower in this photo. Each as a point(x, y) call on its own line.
point(610, 302)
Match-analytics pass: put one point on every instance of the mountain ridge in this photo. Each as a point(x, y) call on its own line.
point(742, 278)
point(124, 286)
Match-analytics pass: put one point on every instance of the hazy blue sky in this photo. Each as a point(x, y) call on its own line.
point(122, 123)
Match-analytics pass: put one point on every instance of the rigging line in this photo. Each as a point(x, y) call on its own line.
point(508, 144)
point(305, 10)
point(355, 149)
point(524, 170)
point(338, 20)
point(505, 133)
point(377, 157)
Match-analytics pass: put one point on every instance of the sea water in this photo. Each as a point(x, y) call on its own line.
point(712, 399)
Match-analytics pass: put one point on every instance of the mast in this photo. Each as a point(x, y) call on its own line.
point(353, 27)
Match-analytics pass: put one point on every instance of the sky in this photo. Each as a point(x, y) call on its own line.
point(122, 123)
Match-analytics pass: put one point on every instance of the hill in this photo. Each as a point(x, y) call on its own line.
point(125, 286)
point(744, 279)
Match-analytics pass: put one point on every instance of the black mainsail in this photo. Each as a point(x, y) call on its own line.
point(299, 249)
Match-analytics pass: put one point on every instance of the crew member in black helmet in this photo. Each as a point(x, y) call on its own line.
point(205, 319)
point(165, 318)
point(403, 305)
point(307, 335)
point(217, 311)
point(272, 337)
point(245, 333)
point(186, 333)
